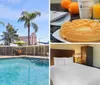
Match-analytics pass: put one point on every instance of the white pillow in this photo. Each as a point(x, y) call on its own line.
point(59, 61)
point(69, 60)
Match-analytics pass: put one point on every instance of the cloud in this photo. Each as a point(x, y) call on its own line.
point(10, 1)
point(14, 1)
point(44, 17)
point(0, 34)
point(8, 13)
point(14, 14)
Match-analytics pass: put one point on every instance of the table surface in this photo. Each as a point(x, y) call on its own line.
point(57, 7)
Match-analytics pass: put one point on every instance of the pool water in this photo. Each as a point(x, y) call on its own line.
point(21, 71)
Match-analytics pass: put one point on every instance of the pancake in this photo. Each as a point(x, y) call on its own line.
point(81, 30)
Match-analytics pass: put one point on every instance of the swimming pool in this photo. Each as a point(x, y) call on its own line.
point(24, 71)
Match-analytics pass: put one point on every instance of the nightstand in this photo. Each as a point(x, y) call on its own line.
point(79, 62)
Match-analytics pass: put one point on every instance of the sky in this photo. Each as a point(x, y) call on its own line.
point(10, 11)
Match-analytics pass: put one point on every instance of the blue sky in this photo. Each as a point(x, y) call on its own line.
point(10, 11)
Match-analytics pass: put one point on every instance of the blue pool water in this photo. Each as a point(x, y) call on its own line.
point(22, 71)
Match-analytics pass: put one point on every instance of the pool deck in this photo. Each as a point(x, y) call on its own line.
point(25, 56)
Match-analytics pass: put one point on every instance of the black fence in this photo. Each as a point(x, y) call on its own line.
point(37, 50)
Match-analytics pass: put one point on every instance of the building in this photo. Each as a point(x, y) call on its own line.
point(42, 43)
point(33, 39)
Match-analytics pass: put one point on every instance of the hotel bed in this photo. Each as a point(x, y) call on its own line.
point(72, 73)
point(75, 74)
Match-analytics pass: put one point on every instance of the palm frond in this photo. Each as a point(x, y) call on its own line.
point(26, 24)
point(34, 15)
point(2, 23)
point(24, 13)
point(37, 13)
point(22, 19)
point(35, 27)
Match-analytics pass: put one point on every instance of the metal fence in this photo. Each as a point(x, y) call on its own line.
point(37, 50)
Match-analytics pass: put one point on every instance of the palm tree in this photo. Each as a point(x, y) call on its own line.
point(27, 18)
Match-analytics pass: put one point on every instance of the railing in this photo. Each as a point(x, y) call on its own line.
point(36, 50)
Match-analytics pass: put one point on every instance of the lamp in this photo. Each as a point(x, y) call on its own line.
point(77, 57)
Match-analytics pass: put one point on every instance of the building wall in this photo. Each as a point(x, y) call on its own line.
point(33, 39)
point(24, 38)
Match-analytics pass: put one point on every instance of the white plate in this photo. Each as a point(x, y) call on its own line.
point(62, 20)
point(58, 37)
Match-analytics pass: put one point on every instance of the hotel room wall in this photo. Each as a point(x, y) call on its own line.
point(96, 55)
point(76, 47)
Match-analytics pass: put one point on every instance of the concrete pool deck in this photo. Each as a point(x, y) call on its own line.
point(24, 56)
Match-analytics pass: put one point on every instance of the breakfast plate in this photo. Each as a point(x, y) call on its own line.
point(80, 30)
point(56, 35)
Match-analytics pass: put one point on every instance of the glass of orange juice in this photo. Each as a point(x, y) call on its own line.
point(96, 11)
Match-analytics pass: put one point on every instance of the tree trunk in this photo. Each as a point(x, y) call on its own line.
point(29, 34)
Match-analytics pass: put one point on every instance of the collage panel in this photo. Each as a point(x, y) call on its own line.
point(74, 64)
point(49, 42)
point(75, 42)
point(24, 47)
point(74, 21)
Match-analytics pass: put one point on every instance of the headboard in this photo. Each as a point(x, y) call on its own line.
point(60, 53)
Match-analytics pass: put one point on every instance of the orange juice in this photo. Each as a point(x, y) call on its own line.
point(96, 11)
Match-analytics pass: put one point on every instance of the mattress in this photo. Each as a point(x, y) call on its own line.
point(75, 74)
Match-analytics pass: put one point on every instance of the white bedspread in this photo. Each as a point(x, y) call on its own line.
point(75, 74)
